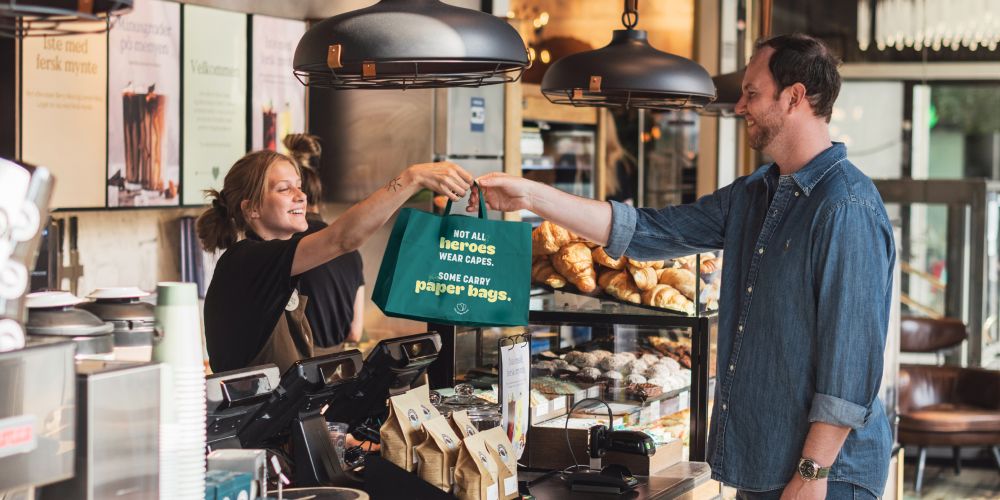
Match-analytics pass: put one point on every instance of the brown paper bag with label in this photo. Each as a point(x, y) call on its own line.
point(476, 471)
point(402, 430)
point(462, 425)
point(438, 453)
point(503, 453)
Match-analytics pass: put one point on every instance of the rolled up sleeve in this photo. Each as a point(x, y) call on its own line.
point(647, 233)
point(853, 257)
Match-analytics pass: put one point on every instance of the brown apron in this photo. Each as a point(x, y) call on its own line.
point(290, 341)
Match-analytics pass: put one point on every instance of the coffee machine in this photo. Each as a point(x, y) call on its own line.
point(37, 389)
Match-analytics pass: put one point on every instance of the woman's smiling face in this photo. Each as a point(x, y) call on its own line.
point(282, 212)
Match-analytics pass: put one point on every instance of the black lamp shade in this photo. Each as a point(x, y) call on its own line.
point(23, 18)
point(729, 87)
point(410, 44)
point(628, 73)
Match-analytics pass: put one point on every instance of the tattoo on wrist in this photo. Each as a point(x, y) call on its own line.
point(394, 185)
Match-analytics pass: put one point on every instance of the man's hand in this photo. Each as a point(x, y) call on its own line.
point(800, 489)
point(503, 192)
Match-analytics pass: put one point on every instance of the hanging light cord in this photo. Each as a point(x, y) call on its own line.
point(630, 17)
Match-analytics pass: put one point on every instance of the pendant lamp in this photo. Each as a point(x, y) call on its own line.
point(728, 88)
point(628, 73)
point(26, 18)
point(400, 44)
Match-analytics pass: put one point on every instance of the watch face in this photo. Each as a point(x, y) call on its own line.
point(807, 469)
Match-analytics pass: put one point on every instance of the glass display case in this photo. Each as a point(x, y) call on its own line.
point(950, 256)
point(654, 367)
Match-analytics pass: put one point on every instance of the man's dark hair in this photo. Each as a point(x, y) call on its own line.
point(799, 58)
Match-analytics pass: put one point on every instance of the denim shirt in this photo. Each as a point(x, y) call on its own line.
point(804, 308)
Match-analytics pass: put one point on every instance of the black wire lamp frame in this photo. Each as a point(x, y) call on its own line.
point(21, 19)
point(407, 74)
point(597, 92)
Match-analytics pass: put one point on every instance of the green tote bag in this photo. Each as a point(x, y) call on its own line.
point(456, 269)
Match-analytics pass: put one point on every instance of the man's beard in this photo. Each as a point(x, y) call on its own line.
point(766, 130)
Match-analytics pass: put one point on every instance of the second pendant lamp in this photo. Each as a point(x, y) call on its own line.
point(628, 73)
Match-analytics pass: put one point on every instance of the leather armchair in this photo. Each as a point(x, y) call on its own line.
point(945, 405)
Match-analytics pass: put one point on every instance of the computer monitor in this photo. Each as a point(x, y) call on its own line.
point(231, 398)
point(305, 389)
point(390, 369)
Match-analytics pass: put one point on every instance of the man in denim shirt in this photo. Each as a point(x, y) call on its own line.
point(805, 291)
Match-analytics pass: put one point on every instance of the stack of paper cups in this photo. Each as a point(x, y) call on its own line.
point(182, 404)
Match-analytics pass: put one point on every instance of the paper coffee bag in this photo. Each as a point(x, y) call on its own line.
point(476, 471)
point(462, 425)
point(402, 430)
point(438, 453)
point(503, 453)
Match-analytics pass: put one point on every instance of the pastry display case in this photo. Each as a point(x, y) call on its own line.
point(654, 367)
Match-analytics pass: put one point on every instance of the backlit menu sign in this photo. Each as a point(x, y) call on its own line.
point(278, 106)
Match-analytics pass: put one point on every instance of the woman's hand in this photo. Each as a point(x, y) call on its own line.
point(503, 192)
point(445, 178)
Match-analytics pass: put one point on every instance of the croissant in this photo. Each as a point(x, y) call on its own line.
point(645, 277)
point(604, 278)
point(548, 238)
point(681, 279)
point(543, 272)
point(575, 263)
point(667, 297)
point(601, 257)
point(621, 287)
point(655, 264)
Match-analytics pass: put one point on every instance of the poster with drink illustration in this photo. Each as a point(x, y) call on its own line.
point(215, 98)
point(278, 98)
point(515, 388)
point(144, 106)
point(63, 107)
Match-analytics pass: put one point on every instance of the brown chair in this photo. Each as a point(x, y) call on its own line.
point(945, 405)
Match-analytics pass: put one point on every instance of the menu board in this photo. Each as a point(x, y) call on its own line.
point(215, 97)
point(278, 105)
point(144, 106)
point(63, 114)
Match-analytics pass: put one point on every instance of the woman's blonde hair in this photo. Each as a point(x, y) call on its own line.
point(221, 226)
point(304, 149)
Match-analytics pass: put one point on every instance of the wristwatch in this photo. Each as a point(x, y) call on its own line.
point(810, 470)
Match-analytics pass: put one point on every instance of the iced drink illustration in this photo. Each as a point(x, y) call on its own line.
point(270, 128)
point(144, 125)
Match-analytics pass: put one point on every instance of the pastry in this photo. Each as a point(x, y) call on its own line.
point(548, 238)
point(644, 277)
point(575, 263)
point(681, 279)
point(622, 287)
point(637, 366)
point(612, 363)
point(635, 378)
point(601, 353)
point(627, 356)
point(605, 278)
point(670, 363)
point(589, 374)
point(612, 377)
point(650, 359)
point(667, 297)
point(644, 391)
point(601, 257)
point(585, 360)
point(543, 272)
point(655, 264)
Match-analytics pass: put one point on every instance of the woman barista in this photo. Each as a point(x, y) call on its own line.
point(253, 311)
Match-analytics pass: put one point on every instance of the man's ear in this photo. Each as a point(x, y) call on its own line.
point(249, 214)
point(796, 95)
